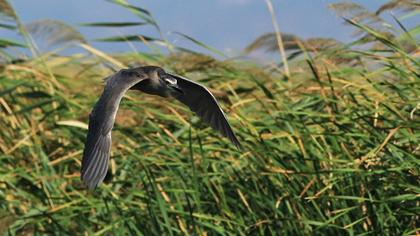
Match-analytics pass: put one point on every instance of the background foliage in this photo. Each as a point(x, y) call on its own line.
point(330, 148)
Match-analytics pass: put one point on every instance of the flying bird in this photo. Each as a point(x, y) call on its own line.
point(152, 80)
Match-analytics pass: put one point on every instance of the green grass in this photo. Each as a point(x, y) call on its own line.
point(333, 149)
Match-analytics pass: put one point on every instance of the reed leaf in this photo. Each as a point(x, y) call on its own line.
point(54, 32)
point(113, 24)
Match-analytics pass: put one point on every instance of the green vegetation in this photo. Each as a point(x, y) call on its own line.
point(331, 149)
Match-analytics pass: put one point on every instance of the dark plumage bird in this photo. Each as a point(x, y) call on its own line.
point(152, 80)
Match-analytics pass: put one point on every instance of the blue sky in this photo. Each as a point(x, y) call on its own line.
point(228, 25)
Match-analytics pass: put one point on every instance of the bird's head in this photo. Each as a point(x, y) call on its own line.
point(155, 81)
point(165, 80)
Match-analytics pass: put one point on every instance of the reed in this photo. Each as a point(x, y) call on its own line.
point(334, 150)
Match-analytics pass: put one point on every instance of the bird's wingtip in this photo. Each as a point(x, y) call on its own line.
point(86, 183)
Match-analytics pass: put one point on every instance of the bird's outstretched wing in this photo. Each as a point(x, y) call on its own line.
point(97, 148)
point(204, 104)
point(98, 143)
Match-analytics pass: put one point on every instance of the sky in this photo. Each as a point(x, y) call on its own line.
point(228, 25)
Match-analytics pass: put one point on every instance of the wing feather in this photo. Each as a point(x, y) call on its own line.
point(96, 154)
point(204, 104)
point(98, 143)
